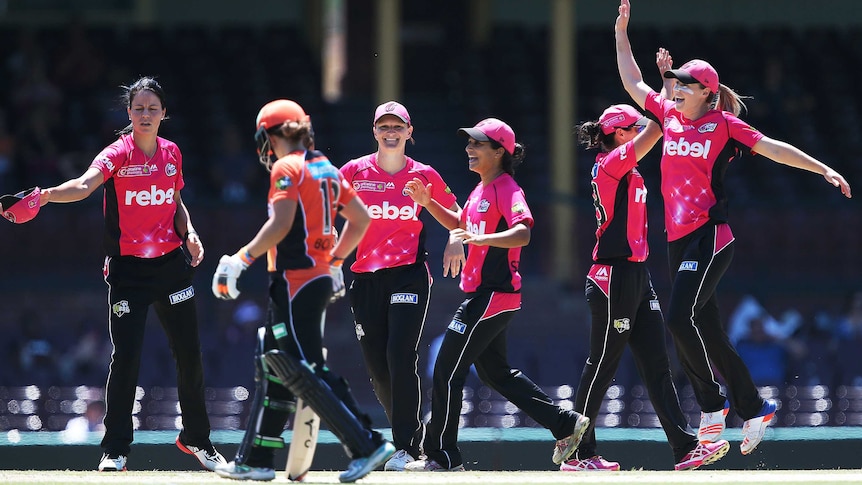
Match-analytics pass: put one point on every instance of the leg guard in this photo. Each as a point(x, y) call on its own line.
point(301, 380)
point(265, 411)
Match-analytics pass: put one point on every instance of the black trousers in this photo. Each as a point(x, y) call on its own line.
point(697, 263)
point(625, 311)
point(389, 308)
point(134, 284)
point(295, 325)
point(477, 334)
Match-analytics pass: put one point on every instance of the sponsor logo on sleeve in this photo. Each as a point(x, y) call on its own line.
point(457, 326)
point(518, 208)
point(283, 183)
point(404, 298)
point(622, 324)
point(688, 266)
point(107, 163)
point(448, 190)
point(121, 308)
point(369, 186)
point(182, 295)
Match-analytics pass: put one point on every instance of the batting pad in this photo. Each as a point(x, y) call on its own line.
point(301, 380)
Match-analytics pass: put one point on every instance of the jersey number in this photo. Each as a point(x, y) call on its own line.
point(330, 192)
point(601, 215)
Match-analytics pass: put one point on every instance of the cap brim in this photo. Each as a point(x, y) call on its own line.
point(683, 76)
point(7, 201)
point(391, 114)
point(473, 133)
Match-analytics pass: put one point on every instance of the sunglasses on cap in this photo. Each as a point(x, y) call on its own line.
point(629, 128)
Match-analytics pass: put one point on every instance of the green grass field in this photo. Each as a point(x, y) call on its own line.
point(700, 477)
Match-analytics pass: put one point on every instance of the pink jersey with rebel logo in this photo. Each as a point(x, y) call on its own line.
point(494, 208)
point(139, 197)
point(396, 236)
point(695, 156)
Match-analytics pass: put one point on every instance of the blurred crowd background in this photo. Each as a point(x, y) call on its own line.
point(792, 298)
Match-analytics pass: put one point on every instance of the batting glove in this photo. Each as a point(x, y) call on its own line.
point(337, 274)
point(226, 276)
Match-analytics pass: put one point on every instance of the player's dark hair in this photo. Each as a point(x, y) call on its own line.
point(296, 132)
point(510, 160)
point(145, 83)
point(590, 135)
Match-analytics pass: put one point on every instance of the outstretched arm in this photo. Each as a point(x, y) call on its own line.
point(630, 73)
point(787, 154)
point(75, 189)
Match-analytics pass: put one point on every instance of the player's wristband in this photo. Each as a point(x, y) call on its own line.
point(189, 233)
point(245, 256)
point(336, 261)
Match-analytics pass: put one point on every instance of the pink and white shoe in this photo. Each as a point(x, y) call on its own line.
point(703, 454)
point(594, 464)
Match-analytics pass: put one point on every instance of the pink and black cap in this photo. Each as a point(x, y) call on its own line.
point(492, 129)
point(696, 71)
point(393, 108)
point(21, 207)
point(620, 116)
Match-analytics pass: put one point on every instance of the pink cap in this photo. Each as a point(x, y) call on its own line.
point(694, 71)
point(620, 116)
point(21, 207)
point(492, 129)
point(393, 108)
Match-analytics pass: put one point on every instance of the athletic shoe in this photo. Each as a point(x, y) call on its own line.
point(112, 463)
point(712, 424)
point(244, 472)
point(360, 467)
point(703, 454)
point(566, 446)
point(398, 460)
point(429, 465)
point(594, 464)
point(753, 429)
point(208, 459)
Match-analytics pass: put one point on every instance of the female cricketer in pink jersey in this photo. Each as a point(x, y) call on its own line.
point(619, 291)
point(392, 284)
point(146, 223)
point(496, 223)
point(702, 134)
point(304, 261)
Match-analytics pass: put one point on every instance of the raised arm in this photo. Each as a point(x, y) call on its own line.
point(630, 73)
point(647, 139)
point(664, 63)
point(787, 154)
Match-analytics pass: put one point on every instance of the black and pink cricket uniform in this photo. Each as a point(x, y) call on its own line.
point(695, 157)
point(623, 304)
point(391, 289)
point(145, 265)
point(477, 332)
